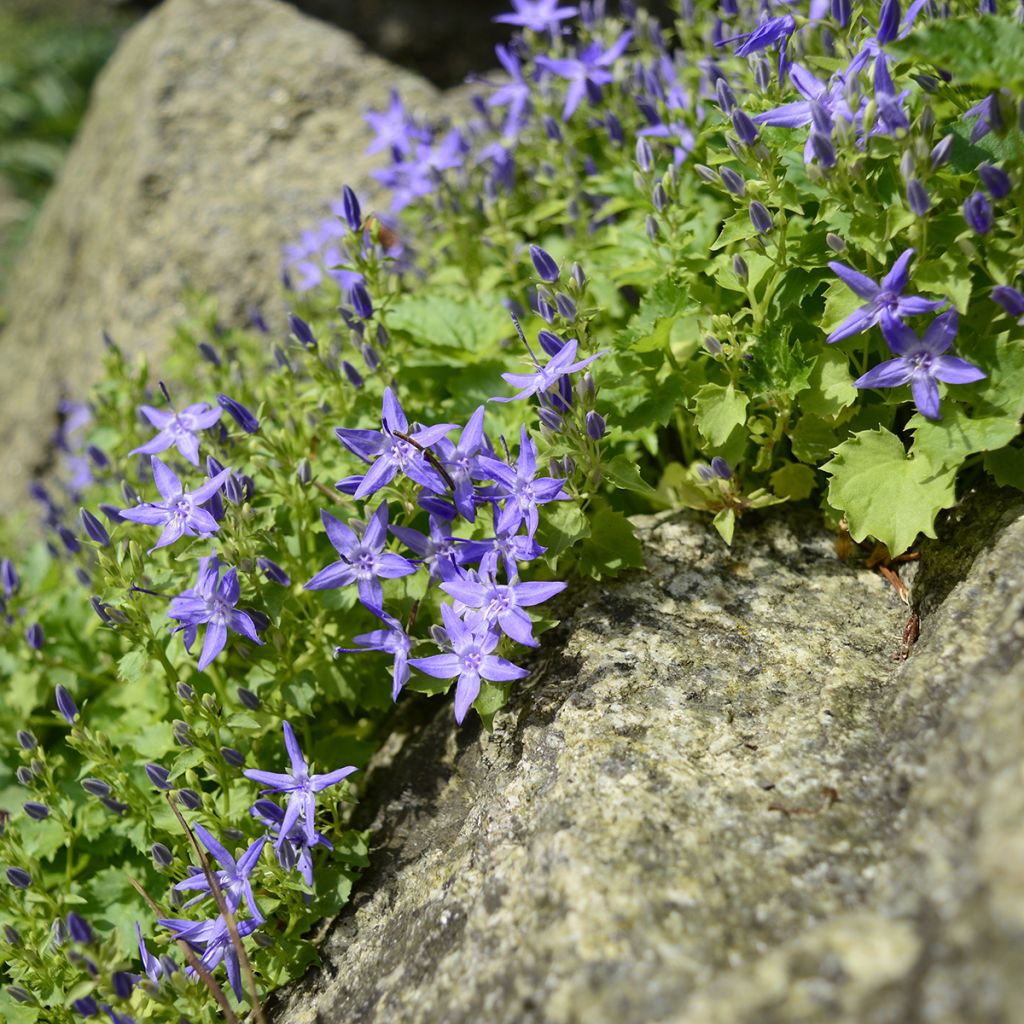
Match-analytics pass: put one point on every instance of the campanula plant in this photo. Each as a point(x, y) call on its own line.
point(759, 257)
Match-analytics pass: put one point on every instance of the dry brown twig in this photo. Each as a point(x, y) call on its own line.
point(225, 912)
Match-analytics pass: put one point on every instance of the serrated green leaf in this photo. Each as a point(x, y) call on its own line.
point(737, 228)
point(947, 273)
point(947, 442)
point(840, 302)
point(132, 667)
point(612, 546)
point(561, 526)
point(466, 325)
point(718, 411)
point(983, 51)
point(886, 494)
point(795, 481)
point(831, 385)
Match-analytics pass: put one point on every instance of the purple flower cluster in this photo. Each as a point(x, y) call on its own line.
point(454, 480)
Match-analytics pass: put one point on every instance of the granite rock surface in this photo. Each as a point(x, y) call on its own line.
point(722, 797)
point(218, 131)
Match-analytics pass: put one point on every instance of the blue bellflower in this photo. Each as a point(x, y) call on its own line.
point(586, 72)
point(300, 786)
point(520, 488)
point(537, 15)
point(886, 296)
point(212, 940)
point(294, 851)
point(469, 660)
point(211, 601)
point(921, 362)
point(391, 454)
point(502, 604)
point(394, 641)
point(179, 513)
point(544, 378)
point(233, 878)
point(178, 429)
point(363, 559)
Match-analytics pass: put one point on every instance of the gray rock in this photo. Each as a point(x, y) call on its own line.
point(722, 798)
point(219, 130)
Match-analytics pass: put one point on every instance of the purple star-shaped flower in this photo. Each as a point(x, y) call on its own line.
point(469, 660)
point(300, 785)
point(506, 547)
point(393, 640)
point(502, 604)
point(546, 377)
point(295, 851)
point(178, 429)
point(461, 461)
point(363, 560)
point(586, 72)
point(179, 513)
point(921, 361)
point(514, 94)
point(886, 296)
point(233, 879)
point(436, 550)
point(213, 941)
point(537, 15)
point(153, 966)
point(391, 454)
point(393, 128)
point(211, 601)
point(521, 492)
point(770, 31)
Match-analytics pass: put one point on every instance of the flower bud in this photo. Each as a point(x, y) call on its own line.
point(352, 374)
point(740, 268)
point(233, 757)
point(732, 181)
point(644, 156)
point(917, 198)
point(20, 995)
point(183, 733)
point(360, 299)
point(12, 936)
point(69, 540)
point(95, 787)
point(841, 12)
point(161, 855)
point(123, 984)
point(248, 699)
point(190, 799)
point(9, 578)
point(79, 929)
point(1010, 299)
point(552, 129)
point(705, 172)
point(725, 96)
point(19, 878)
point(712, 345)
point(659, 197)
point(834, 242)
point(595, 426)
point(239, 414)
point(941, 151)
point(550, 419)
point(350, 207)
point(550, 342)
point(823, 150)
point(760, 218)
point(301, 331)
point(996, 180)
point(65, 705)
point(744, 127)
point(888, 21)
point(94, 529)
point(651, 228)
point(26, 740)
point(721, 468)
point(978, 213)
point(25, 776)
point(546, 267)
point(36, 811)
point(565, 306)
point(159, 776)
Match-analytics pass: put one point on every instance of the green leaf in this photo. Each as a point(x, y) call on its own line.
point(983, 51)
point(1007, 467)
point(562, 524)
point(885, 493)
point(612, 546)
point(464, 324)
point(492, 698)
point(831, 385)
point(813, 439)
point(840, 302)
point(725, 523)
point(132, 667)
point(794, 481)
point(718, 410)
point(625, 474)
point(737, 228)
point(946, 274)
point(947, 442)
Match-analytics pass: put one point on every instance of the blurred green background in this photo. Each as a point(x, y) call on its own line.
point(50, 53)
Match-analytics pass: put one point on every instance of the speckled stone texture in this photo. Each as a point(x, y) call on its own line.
point(218, 131)
point(718, 799)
